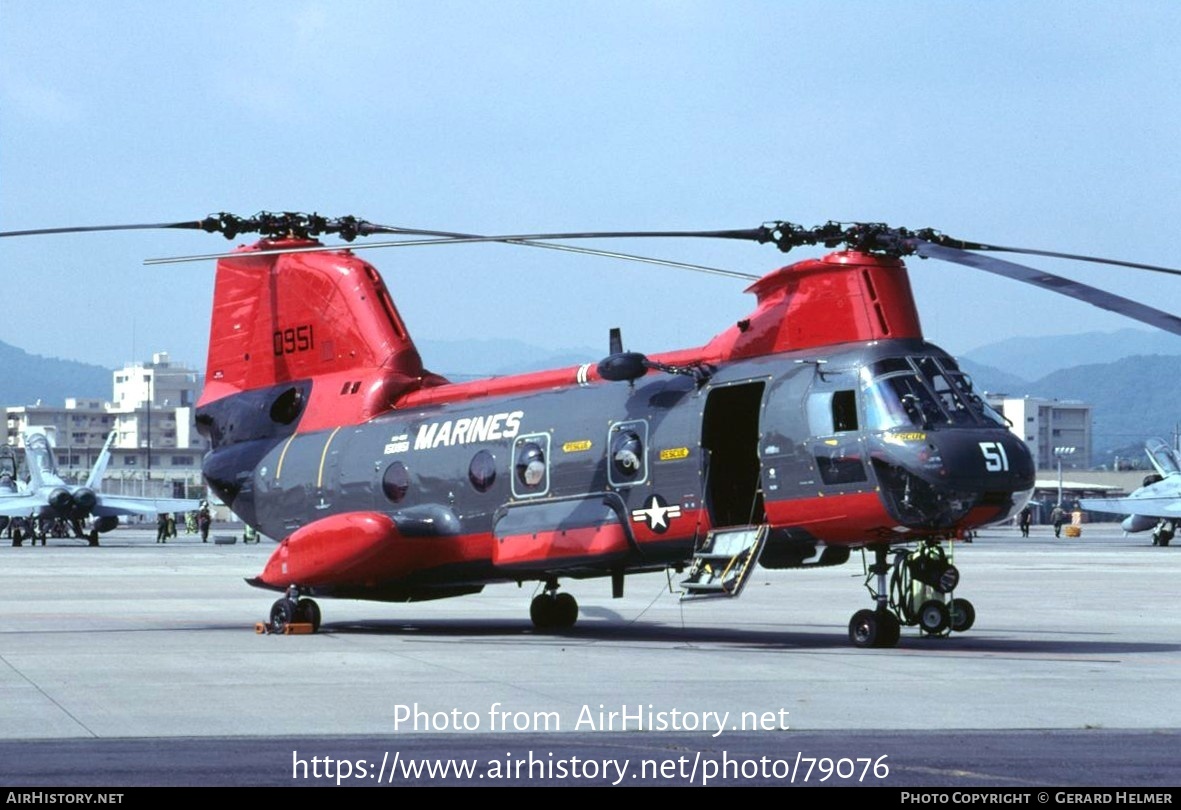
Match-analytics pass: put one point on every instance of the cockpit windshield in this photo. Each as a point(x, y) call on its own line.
point(1162, 457)
point(7, 462)
point(39, 453)
point(922, 392)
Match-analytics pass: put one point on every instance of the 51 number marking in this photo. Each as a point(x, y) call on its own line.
point(995, 459)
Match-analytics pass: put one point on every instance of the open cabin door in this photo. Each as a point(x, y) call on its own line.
point(730, 440)
point(733, 495)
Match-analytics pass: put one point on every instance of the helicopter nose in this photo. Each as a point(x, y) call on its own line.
point(989, 461)
point(953, 478)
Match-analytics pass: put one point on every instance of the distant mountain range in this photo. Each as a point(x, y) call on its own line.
point(26, 378)
point(1131, 377)
point(1133, 398)
point(1035, 358)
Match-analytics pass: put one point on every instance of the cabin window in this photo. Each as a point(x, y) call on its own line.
point(395, 482)
point(841, 469)
point(482, 471)
point(530, 465)
point(626, 453)
point(530, 478)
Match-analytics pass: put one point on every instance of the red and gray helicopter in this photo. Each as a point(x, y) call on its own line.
point(821, 423)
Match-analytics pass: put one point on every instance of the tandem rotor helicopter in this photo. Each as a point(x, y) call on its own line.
point(820, 423)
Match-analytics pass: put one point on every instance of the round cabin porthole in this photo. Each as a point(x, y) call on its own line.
point(395, 482)
point(482, 471)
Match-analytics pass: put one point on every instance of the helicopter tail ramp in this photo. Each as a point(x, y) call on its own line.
point(315, 335)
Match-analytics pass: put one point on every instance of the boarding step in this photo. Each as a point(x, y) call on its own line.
point(724, 562)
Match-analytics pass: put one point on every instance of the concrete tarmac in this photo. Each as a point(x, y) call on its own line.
point(137, 663)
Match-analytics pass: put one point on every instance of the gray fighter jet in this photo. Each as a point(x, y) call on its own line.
point(1157, 504)
point(48, 496)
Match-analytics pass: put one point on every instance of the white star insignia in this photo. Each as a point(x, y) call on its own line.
point(657, 515)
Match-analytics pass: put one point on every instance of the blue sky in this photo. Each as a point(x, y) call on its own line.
point(1051, 125)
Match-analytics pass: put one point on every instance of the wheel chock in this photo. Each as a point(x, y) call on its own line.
point(293, 629)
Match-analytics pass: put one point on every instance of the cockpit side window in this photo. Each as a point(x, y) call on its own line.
point(832, 412)
point(844, 411)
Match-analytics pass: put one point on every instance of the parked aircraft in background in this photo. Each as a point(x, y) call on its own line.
point(1157, 504)
point(47, 496)
point(9, 483)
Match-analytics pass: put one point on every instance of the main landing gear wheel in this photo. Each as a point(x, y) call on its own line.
point(282, 614)
point(553, 611)
point(963, 615)
point(934, 617)
point(874, 628)
point(292, 609)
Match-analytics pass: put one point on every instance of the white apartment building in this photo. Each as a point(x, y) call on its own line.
point(1050, 427)
point(157, 448)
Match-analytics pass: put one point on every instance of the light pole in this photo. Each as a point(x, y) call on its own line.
point(1059, 452)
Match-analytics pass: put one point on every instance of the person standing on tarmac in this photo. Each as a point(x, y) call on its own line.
point(1026, 519)
point(1058, 517)
point(204, 520)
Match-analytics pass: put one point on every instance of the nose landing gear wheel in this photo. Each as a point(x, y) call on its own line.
point(874, 628)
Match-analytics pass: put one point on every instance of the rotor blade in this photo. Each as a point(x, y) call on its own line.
point(448, 238)
point(756, 234)
point(610, 254)
point(1048, 281)
point(947, 241)
point(744, 233)
point(194, 225)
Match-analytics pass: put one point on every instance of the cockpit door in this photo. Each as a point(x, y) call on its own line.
point(834, 424)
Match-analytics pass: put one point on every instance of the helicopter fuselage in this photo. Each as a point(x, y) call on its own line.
point(461, 486)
